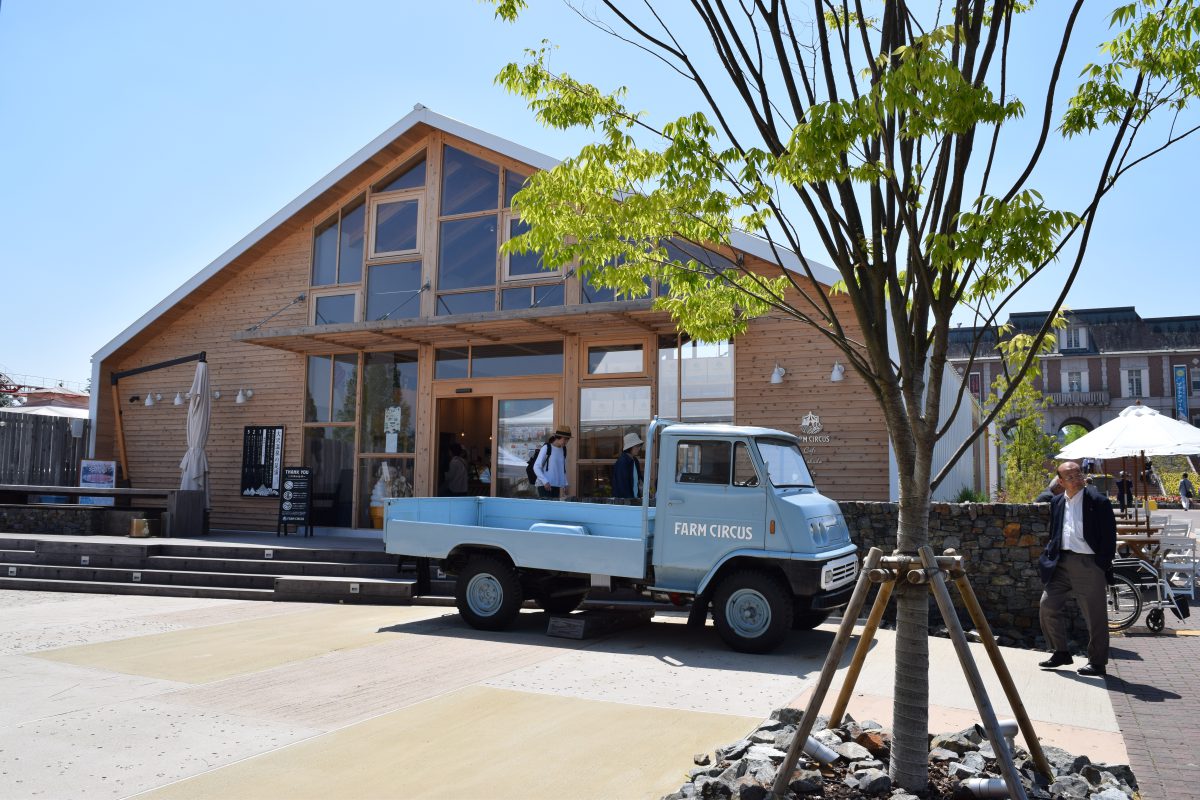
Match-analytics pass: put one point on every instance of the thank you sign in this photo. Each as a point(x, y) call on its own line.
point(295, 502)
point(1181, 391)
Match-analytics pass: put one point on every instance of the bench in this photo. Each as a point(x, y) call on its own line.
point(182, 514)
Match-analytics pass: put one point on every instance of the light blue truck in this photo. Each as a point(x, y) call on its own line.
point(730, 519)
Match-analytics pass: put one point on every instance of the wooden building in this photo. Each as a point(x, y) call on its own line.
point(375, 321)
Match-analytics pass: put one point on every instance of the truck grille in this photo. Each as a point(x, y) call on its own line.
point(839, 572)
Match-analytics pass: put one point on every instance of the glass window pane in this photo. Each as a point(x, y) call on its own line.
point(606, 414)
point(316, 404)
point(389, 403)
point(468, 253)
point(513, 183)
point(614, 358)
point(469, 303)
point(707, 370)
point(785, 464)
point(744, 473)
point(468, 183)
point(345, 387)
point(350, 247)
point(379, 480)
point(597, 294)
point(668, 377)
point(394, 291)
point(702, 462)
point(408, 177)
point(334, 308)
point(706, 410)
point(522, 263)
point(522, 426)
point(396, 226)
point(595, 479)
point(330, 453)
point(548, 296)
point(680, 251)
point(516, 298)
point(451, 362)
point(504, 360)
point(325, 243)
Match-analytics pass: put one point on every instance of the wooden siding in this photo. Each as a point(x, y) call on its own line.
point(853, 465)
point(156, 437)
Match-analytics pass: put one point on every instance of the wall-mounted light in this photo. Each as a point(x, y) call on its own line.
point(243, 395)
point(216, 394)
point(178, 399)
point(838, 372)
point(778, 373)
point(149, 399)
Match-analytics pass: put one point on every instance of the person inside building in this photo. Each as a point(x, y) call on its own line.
point(456, 474)
point(550, 466)
point(626, 471)
point(1076, 563)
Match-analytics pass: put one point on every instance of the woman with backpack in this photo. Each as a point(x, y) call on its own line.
point(550, 465)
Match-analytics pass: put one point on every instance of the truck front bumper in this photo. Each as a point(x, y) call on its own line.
point(838, 598)
point(829, 583)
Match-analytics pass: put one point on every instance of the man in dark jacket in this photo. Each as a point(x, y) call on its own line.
point(1076, 561)
point(626, 472)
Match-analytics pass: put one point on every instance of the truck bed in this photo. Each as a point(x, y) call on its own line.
point(536, 534)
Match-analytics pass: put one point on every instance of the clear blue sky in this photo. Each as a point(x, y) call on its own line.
point(140, 140)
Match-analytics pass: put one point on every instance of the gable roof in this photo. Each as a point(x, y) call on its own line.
point(752, 245)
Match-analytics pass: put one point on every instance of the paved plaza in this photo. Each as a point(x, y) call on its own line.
point(130, 696)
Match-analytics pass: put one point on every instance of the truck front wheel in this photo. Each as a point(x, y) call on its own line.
point(752, 610)
point(488, 593)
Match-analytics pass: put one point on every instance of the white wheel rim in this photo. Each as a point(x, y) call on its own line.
point(748, 613)
point(485, 595)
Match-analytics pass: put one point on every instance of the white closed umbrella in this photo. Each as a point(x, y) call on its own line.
point(195, 461)
point(1137, 431)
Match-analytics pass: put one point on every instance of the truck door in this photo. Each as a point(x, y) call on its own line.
point(711, 501)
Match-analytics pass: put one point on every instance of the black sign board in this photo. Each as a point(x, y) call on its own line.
point(262, 458)
point(295, 501)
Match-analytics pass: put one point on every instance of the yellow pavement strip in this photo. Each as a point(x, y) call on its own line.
point(482, 742)
point(213, 653)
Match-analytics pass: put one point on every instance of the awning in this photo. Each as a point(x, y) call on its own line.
point(635, 317)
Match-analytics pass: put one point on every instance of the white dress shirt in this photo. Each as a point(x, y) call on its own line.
point(551, 471)
point(1072, 532)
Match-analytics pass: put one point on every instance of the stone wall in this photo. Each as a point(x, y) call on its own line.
point(1000, 543)
point(64, 519)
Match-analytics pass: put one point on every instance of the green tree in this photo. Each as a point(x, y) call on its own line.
point(888, 130)
point(1026, 445)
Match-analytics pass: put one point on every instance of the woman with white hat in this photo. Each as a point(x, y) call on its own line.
point(626, 472)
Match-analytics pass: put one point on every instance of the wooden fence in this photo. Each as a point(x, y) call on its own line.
point(41, 451)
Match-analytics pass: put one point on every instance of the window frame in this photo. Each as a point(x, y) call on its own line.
point(374, 201)
point(1128, 382)
point(315, 294)
point(507, 217)
point(586, 346)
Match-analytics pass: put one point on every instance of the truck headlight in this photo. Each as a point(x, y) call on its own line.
point(821, 527)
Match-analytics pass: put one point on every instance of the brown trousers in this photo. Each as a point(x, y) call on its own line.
point(1079, 576)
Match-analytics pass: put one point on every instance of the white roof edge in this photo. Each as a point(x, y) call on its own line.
point(420, 114)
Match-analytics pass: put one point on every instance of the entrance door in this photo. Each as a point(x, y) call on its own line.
point(467, 422)
point(522, 426)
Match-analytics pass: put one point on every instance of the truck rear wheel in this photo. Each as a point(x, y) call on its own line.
point(752, 610)
point(488, 593)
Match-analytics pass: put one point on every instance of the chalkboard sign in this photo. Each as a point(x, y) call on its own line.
point(295, 501)
point(262, 459)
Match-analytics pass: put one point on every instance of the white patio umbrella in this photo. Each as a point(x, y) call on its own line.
point(195, 462)
point(1137, 431)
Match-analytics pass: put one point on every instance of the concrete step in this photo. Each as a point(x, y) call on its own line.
point(106, 587)
point(271, 553)
point(313, 589)
point(274, 566)
point(238, 580)
point(18, 557)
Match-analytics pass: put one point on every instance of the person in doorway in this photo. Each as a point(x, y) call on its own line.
point(1124, 492)
point(626, 471)
point(1077, 562)
point(456, 472)
point(1052, 490)
point(1186, 492)
point(550, 466)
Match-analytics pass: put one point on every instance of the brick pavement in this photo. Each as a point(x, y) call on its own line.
point(1154, 685)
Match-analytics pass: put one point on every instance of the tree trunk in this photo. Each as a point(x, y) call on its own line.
point(909, 766)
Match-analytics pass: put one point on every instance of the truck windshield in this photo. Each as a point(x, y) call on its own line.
point(785, 464)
